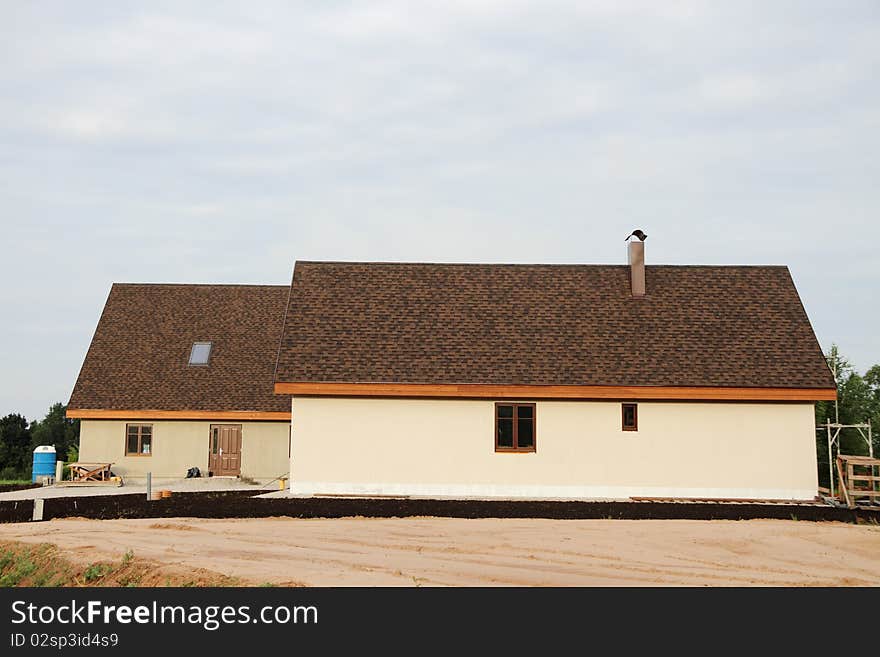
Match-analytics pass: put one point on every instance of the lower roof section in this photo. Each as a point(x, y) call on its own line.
point(485, 391)
point(156, 414)
point(140, 355)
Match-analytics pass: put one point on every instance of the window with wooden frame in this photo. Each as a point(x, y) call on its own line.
point(514, 427)
point(138, 439)
point(629, 417)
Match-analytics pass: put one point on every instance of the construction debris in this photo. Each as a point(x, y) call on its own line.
point(859, 480)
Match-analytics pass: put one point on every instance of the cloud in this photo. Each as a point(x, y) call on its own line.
point(138, 142)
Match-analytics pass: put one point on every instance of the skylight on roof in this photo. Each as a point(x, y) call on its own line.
point(201, 352)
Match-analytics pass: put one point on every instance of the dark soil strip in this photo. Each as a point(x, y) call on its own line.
point(6, 488)
point(242, 504)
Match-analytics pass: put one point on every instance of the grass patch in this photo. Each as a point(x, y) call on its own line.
point(14, 482)
point(97, 571)
point(31, 567)
point(19, 568)
point(24, 564)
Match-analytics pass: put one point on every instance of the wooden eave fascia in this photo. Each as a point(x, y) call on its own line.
point(159, 414)
point(492, 391)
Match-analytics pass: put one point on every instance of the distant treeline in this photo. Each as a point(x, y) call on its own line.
point(18, 438)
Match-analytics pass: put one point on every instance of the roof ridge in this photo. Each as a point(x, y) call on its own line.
point(201, 284)
point(521, 264)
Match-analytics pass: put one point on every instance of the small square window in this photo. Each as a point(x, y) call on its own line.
point(514, 427)
point(200, 353)
point(138, 440)
point(630, 417)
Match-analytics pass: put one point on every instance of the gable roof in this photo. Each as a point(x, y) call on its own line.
point(138, 358)
point(547, 325)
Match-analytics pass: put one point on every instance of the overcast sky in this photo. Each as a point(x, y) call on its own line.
point(216, 142)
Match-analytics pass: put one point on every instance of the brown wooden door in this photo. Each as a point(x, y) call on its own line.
point(224, 450)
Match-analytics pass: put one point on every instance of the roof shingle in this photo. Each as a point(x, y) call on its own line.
point(548, 325)
point(139, 354)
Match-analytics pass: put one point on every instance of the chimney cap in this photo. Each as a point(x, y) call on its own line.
point(642, 236)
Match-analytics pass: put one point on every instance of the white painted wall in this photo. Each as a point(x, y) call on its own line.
point(446, 448)
point(180, 445)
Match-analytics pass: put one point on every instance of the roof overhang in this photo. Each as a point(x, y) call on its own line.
point(492, 391)
point(158, 414)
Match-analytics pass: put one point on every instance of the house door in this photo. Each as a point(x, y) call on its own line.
point(224, 450)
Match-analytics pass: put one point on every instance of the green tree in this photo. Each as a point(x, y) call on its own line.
point(15, 447)
point(56, 429)
point(872, 378)
point(858, 401)
point(842, 369)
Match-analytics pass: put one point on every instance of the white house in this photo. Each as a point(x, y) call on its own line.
point(551, 381)
point(536, 381)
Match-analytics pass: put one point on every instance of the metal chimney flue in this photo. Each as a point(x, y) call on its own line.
point(636, 256)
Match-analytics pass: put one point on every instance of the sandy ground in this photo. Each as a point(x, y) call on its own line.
point(447, 551)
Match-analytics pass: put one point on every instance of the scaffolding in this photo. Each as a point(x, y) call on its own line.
point(832, 431)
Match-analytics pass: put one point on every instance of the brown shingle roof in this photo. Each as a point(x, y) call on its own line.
point(139, 353)
point(547, 325)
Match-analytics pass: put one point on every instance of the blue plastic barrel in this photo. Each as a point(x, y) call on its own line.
point(44, 462)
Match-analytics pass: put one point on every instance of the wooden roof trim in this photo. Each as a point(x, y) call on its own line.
point(156, 414)
point(480, 391)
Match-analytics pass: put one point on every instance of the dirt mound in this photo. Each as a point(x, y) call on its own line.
point(172, 526)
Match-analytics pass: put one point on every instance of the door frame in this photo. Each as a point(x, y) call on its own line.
point(211, 428)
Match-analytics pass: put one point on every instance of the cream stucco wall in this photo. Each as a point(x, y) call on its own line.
point(445, 447)
point(179, 445)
